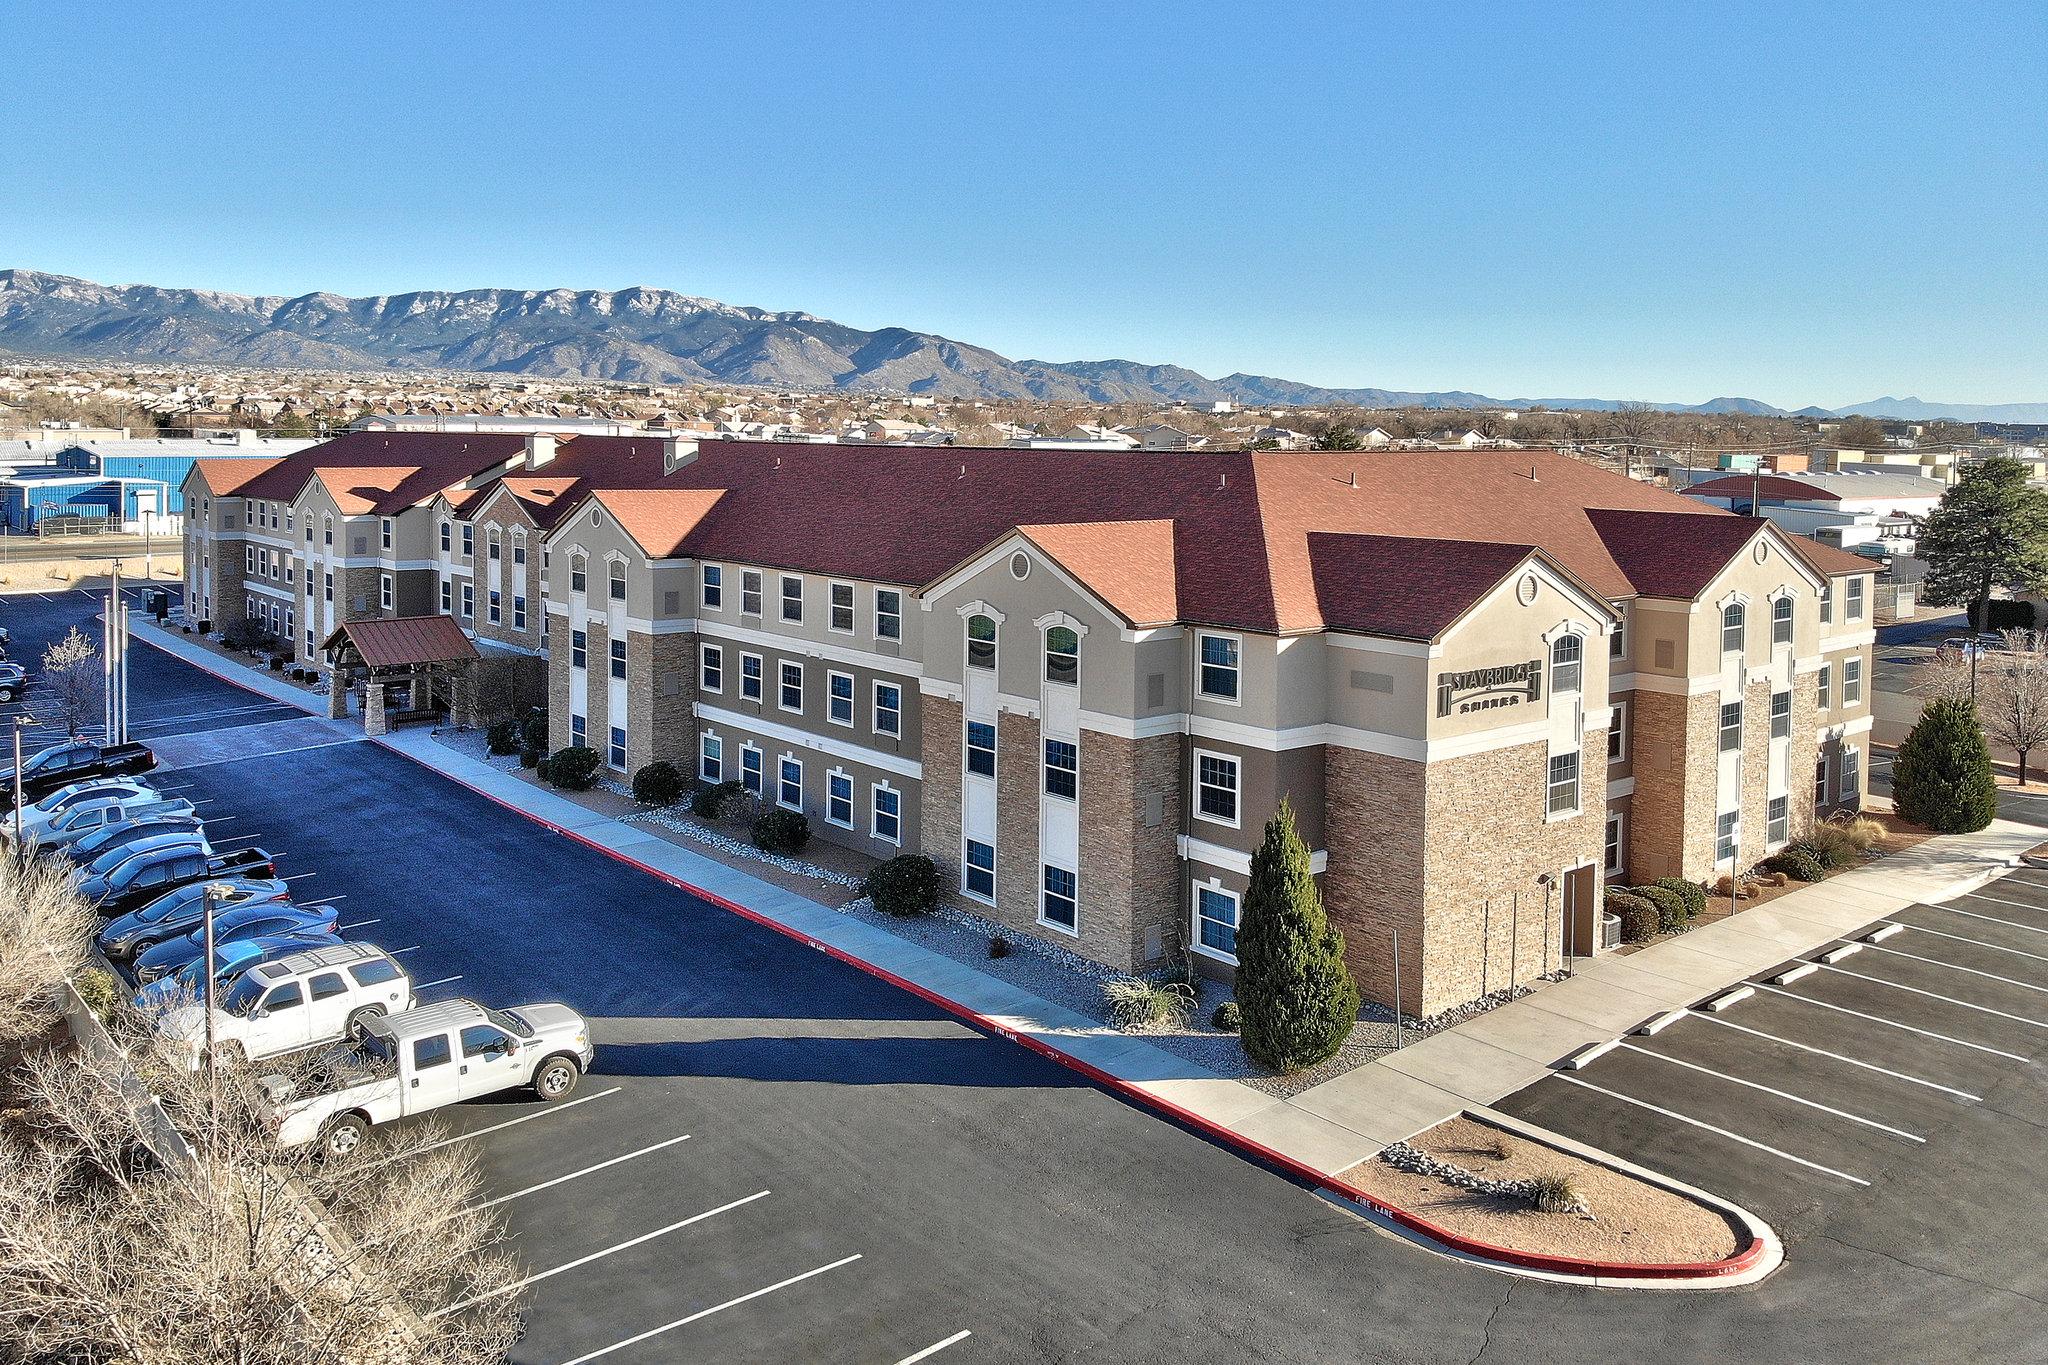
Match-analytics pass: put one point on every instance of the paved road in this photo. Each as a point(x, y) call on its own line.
point(982, 1189)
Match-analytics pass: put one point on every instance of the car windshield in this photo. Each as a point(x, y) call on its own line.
point(243, 995)
point(508, 1021)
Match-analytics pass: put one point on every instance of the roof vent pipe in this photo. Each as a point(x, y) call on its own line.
point(1223, 481)
point(1354, 478)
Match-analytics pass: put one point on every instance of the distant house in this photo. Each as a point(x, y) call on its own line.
point(1160, 436)
point(1374, 438)
point(1283, 438)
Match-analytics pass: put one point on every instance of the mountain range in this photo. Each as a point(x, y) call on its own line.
point(658, 337)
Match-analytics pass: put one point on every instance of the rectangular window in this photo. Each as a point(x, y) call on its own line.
point(978, 871)
point(750, 770)
point(1849, 782)
point(1820, 780)
point(888, 814)
point(1779, 816)
point(839, 800)
point(1062, 768)
point(1781, 715)
point(1823, 687)
point(326, 530)
point(888, 614)
point(1732, 622)
point(579, 572)
point(750, 592)
point(1216, 921)
point(579, 731)
point(496, 607)
point(789, 784)
point(750, 677)
point(518, 613)
point(981, 748)
point(447, 599)
point(1852, 682)
point(888, 709)
point(447, 537)
point(714, 585)
point(842, 607)
point(1725, 836)
point(579, 649)
point(1731, 727)
point(618, 580)
point(711, 668)
point(1827, 604)
point(1617, 733)
point(1219, 667)
point(309, 580)
point(790, 697)
point(468, 601)
point(839, 698)
point(1059, 907)
point(518, 548)
point(792, 598)
point(1216, 787)
point(618, 659)
point(383, 530)
point(384, 590)
point(491, 548)
point(1613, 845)
point(468, 541)
point(327, 585)
point(1854, 604)
point(1781, 621)
point(1564, 784)
point(1617, 642)
point(617, 754)
point(711, 759)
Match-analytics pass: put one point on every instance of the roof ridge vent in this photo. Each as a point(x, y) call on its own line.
point(1222, 481)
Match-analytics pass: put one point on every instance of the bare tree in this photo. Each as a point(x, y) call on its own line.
point(2012, 694)
point(45, 932)
point(72, 678)
point(1945, 675)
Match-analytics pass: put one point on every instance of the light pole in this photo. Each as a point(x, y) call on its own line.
point(208, 898)
point(20, 723)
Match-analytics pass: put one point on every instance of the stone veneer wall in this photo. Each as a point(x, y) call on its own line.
point(938, 833)
point(1676, 746)
point(351, 584)
point(1132, 902)
point(558, 696)
point(1017, 868)
point(661, 694)
point(1373, 833)
point(1804, 749)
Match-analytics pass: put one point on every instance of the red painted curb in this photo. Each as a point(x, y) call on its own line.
point(1741, 1261)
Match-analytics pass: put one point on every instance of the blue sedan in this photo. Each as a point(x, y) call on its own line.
point(230, 960)
point(176, 913)
point(263, 919)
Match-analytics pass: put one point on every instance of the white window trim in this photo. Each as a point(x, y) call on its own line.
point(743, 677)
point(967, 773)
point(1846, 792)
point(1073, 930)
point(710, 737)
point(852, 699)
point(966, 867)
point(1852, 679)
point(831, 773)
point(703, 669)
point(760, 611)
point(1784, 595)
point(1195, 917)
point(1620, 819)
point(1212, 697)
point(1045, 767)
point(704, 588)
point(1237, 765)
point(387, 592)
point(1550, 639)
point(747, 746)
point(874, 825)
point(852, 607)
point(1578, 806)
point(1617, 730)
point(781, 759)
point(876, 614)
point(782, 598)
point(876, 713)
point(780, 704)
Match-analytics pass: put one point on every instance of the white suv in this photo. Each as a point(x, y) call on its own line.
point(317, 996)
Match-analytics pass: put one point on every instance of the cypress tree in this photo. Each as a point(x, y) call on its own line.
point(1942, 779)
point(1298, 1001)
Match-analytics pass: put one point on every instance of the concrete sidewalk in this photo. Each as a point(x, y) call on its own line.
point(1342, 1121)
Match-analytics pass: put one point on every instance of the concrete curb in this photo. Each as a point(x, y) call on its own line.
point(1719, 1274)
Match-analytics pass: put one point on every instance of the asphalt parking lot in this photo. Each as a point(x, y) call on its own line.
point(923, 1180)
point(1889, 1103)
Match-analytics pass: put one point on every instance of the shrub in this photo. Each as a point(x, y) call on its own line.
point(1554, 1192)
point(572, 769)
point(1134, 1003)
point(99, 992)
point(2008, 613)
point(1862, 831)
point(533, 731)
point(738, 807)
point(1692, 893)
point(1832, 846)
point(1298, 1000)
point(502, 737)
point(660, 783)
point(707, 803)
point(1227, 1017)
point(529, 758)
point(998, 946)
point(781, 831)
point(248, 633)
point(1942, 779)
point(907, 885)
point(1670, 905)
point(1797, 863)
point(1640, 920)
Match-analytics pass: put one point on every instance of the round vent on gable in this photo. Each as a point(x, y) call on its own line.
point(1762, 551)
point(1525, 591)
point(1020, 566)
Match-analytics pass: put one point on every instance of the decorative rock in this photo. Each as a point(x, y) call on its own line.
point(1402, 1157)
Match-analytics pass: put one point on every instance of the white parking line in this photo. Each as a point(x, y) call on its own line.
point(600, 1255)
point(412, 949)
point(1737, 1137)
point(209, 715)
point(1933, 995)
point(1880, 1019)
point(1994, 947)
point(935, 1348)
point(2000, 900)
point(1989, 919)
point(444, 981)
point(565, 1179)
point(1937, 962)
point(715, 1308)
point(1852, 1061)
point(296, 876)
point(548, 1112)
point(358, 923)
point(1781, 1094)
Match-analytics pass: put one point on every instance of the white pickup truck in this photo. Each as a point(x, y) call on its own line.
point(425, 1058)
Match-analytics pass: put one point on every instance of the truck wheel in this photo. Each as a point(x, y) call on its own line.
point(6, 694)
point(555, 1079)
point(343, 1136)
point(353, 1029)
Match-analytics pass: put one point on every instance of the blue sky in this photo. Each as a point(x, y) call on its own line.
point(1805, 203)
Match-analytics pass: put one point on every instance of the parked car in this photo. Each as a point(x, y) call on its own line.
point(176, 913)
point(62, 764)
point(99, 855)
point(13, 681)
point(264, 919)
point(230, 960)
point(297, 1001)
point(426, 1058)
point(52, 804)
point(143, 878)
point(1966, 645)
point(97, 814)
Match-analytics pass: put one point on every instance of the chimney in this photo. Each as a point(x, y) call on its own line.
point(244, 436)
point(675, 453)
point(540, 450)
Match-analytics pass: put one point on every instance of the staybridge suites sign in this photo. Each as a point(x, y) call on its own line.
point(1483, 689)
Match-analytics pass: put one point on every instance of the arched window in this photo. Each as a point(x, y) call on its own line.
point(981, 642)
point(491, 538)
point(578, 565)
point(618, 580)
point(1731, 628)
point(1781, 621)
point(1566, 656)
point(1062, 656)
point(326, 529)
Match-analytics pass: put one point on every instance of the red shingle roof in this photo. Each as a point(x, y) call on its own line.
point(389, 642)
point(1768, 486)
point(1402, 587)
point(1128, 564)
point(660, 520)
point(1673, 554)
point(226, 476)
point(438, 459)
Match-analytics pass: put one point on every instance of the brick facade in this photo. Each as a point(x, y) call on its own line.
point(1373, 886)
point(1132, 905)
point(938, 832)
